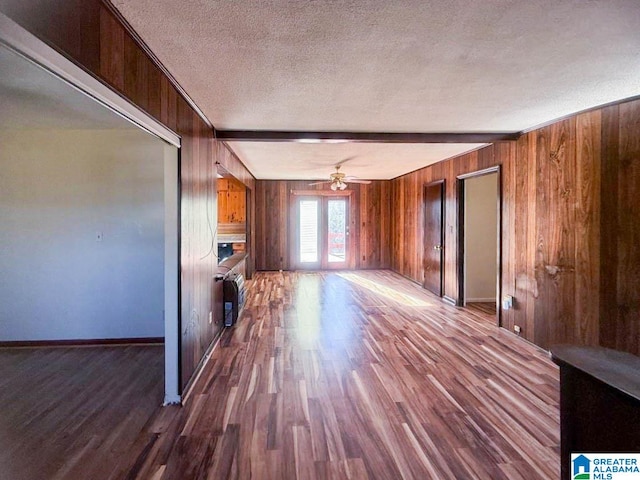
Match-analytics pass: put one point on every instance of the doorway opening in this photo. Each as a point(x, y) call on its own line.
point(321, 232)
point(92, 208)
point(232, 215)
point(479, 241)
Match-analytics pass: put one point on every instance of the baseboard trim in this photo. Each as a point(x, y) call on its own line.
point(188, 388)
point(481, 300)
point(451, 301)
point(82, 342)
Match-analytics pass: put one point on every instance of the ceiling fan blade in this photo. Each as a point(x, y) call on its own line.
point(345, 160)
point(357, 180)
point(320, 183)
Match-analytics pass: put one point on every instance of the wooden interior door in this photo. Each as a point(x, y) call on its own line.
point(433, 236)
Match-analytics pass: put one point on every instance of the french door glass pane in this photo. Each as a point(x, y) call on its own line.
point(308, 222)
point(337, 230)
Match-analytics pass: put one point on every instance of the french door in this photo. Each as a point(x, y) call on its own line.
point(321, 232)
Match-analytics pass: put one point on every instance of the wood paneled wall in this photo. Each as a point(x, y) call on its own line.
point(570, 227)
point(88, 32)
point(369, 221)
point(232, 202)
point(225, 157)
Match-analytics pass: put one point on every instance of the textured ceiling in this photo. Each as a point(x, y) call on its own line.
point(30, 98)
point(414, 65)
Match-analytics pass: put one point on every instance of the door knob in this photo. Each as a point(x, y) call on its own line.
point(437, 247)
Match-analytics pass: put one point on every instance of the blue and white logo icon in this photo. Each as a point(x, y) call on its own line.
point(581, 468)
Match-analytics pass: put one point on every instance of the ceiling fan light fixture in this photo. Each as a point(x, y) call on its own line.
point(337, 179)
point(338, 184)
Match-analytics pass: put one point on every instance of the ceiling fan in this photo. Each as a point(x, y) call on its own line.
point(338, 180)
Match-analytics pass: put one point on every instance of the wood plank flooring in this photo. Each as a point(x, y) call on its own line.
point(488, 308)
point(77, 413)
point(361, 375)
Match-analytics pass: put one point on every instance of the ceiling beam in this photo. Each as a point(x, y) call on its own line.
point(363, 137)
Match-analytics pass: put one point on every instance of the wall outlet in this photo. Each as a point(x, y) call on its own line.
point(507, 302)
point(517, 329)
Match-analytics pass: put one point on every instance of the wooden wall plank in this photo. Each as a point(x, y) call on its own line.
point(154, 90)
point(531, 241)
point(541, 242)
point(485, 158)
point(409, 221)
point(282, 214)
point(260, 240)
point(384, 235)
point(131, 81)
point(587, 246)
point(560, 273)
point(525, 286)
point(366, 197)
point(609, 225)
point(168, 103)
point(354, 230)
point(401, 247)
point(111, 50)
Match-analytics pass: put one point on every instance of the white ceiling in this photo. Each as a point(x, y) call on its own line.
point(375, 65)
point(32, 98)
point(373, 161)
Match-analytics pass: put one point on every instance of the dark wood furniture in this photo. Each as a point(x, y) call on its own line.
point(599, 401)
point(235, 263)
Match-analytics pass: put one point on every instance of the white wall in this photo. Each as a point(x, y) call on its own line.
point(480, 237)
point(58, 190)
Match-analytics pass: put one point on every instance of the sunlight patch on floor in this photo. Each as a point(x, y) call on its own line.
point(308, 303)
point(385, 291)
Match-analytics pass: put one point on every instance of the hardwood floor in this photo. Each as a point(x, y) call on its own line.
point(487, 308)
point(361, 375)
point(77, 413)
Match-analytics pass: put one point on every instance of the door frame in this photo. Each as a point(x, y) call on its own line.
point(460, 179)
point(293, 227)
point(443, 196)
